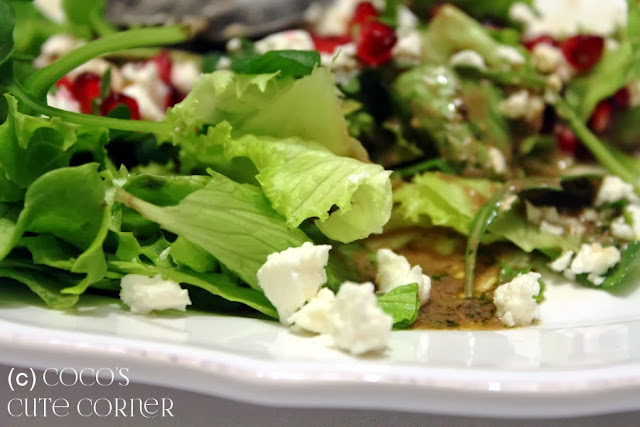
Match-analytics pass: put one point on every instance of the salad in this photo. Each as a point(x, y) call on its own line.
point(386, 165)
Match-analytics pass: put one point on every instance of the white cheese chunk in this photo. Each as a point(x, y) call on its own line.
point(468, 57)
point(564, 18)
point(511, 55)
point(409, 47)
point(55, 47)
point(145, 294)
point(290, 39)
point(497, 161)
point(356, 323)
point(292, 277)
point(314, 316)
point(562, 262)
point(184, 74)
point(51, 9)
point(514, 300)
point(614, 189)
point(547, 227)
point(621, 230)
point(593, 258)
point(545, 57)
point(394, 270)
point(64, 100)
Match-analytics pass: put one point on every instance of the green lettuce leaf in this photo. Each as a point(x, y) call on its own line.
point(216, 284)
point(307, 108)
point(402, 304)
point(233, 222)
point(46, 286)
point(287, 63)
point(478, 9)
point(7, 23)
point(305, 180)
point(31, 146)
point(624, 274)
point(67, 203)
point(445, 200)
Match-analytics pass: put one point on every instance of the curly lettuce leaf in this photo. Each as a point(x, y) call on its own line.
point(31, 146)
point(233, 222)
point(305, 180)
point(264, 105)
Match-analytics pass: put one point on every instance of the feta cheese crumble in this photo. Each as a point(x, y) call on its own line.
point(511, 55)
point(469, 58)
point(514, 300)
point(52, 10)
point(290, 39)
point(522, 104)
point(614, 189)
point(562, 262)
point(356, 323)
point(394, 270)
point(145, 294)
point(546, 58)
point(292, 277)
point(314, 316)
point(595, 260)
point(497, 161)
point(564, 18)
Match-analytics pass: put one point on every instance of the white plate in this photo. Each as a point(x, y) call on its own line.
point(584, 358)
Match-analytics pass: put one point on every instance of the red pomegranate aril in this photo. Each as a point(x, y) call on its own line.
point(583, 51)
point(375, 43)
point(622, 98)
point(566, 140)
point(86, 88)
point(65, 82)
point(163, 64)
point(529, 44)
point(329, 44)
point(365, 11)
point(115, 99)
point(601, 117)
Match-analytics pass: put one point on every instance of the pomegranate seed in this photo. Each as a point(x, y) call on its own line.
point(583, 51)
point(364, 12)
point(163, 64)
point(329, 44)
point(375, 43)
point(86, 88)
point(622, 98)
point(601, 117)
point(566, 140)
point(115, 99)
point(64, 82)
point(529, 44)
point(173, 97)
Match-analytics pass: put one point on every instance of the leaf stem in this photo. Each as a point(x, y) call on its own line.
point(39, 83)
point(88, 120)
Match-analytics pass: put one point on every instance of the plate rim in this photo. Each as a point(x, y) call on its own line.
point(315, 384)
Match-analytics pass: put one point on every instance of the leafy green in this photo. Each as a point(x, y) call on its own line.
point(32, 29)
point(305, 180)
point(287, 63)
point(216, 284)
point(402, 304)
point(452, 30)
point(233, 222)
point(623, 273)
point(264, 105)
point(46, 286)
point(7, 23)
point(446, 200)
point(31, 146)
point(191, 256)
point(478, 9)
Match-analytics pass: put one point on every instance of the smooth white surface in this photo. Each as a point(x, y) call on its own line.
point(583, 359)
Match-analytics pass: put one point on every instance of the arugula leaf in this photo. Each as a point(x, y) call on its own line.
point(263, 105)
point(402, 304)
point(287, 63)
point(304, 180)
point(7, 24)
point(233, 222)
